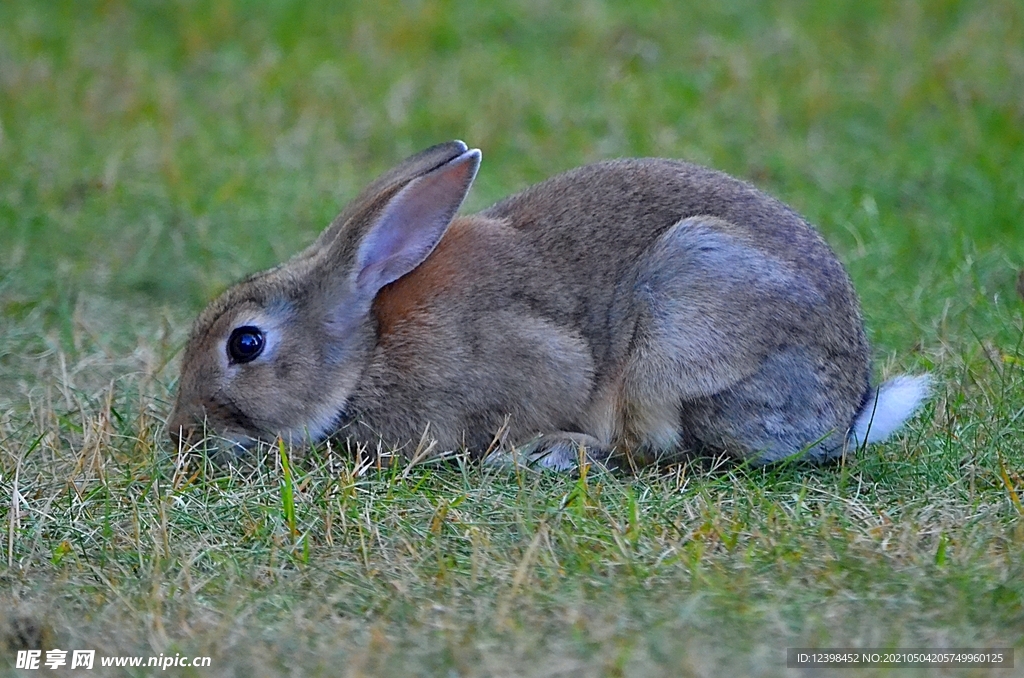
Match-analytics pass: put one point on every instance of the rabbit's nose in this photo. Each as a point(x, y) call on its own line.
point(182, 427)
point(181, 433)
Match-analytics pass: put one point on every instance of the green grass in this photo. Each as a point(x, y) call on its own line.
point(152, 153)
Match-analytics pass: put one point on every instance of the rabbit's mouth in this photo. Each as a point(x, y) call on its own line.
point(221, 446)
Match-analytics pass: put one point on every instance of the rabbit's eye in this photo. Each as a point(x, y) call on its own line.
point(245, 344)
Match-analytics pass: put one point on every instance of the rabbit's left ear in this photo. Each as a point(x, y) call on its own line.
point(412, 223)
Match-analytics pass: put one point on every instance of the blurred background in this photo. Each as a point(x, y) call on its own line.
point(152, 153)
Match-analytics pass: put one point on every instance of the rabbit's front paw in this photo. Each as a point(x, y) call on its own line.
point(563, 451)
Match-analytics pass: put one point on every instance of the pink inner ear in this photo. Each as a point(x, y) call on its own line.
point(413, 222)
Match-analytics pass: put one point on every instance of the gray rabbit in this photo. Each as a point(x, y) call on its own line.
point(639, 308)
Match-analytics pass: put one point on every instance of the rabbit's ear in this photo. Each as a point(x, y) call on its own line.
point(411, 224)
point(412, 167)
point(388, 183)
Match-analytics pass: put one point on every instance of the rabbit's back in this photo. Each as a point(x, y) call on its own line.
point(589, 228)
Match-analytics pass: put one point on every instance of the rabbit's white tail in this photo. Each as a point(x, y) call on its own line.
point(888, 406)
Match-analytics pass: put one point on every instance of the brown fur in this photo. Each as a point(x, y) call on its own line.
point(467, 239)
point(646, 306)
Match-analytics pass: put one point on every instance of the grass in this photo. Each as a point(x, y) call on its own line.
point(152, 153)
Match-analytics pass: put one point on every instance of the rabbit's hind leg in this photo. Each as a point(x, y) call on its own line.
point(781, 411)
point(714, 307)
